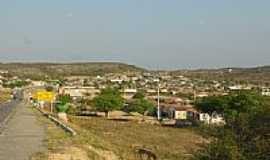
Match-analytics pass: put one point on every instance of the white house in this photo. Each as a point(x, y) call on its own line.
point(266, 91)
point(215, 119)
point(239, 87)
point(116, 81)
point(38, 83)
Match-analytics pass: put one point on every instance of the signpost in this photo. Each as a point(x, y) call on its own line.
point(45, 96)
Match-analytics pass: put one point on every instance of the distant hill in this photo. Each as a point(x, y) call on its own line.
point(56, 70)
point(256, 75)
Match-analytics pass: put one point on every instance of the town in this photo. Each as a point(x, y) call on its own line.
point(134, 80)
point(161, 98)
point(173, 94)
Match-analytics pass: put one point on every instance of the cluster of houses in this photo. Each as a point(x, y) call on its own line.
point(168, 89)
point(175, 92)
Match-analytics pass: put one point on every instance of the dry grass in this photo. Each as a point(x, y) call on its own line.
point(5, 95)
point(123, 137)
point(101, 138)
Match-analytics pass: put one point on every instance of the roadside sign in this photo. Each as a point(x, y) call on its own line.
point(44, 96)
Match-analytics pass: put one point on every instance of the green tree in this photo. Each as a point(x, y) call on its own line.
point(241, 102)
point(141, 105)
point(63, 103)
point(64, 99)
point(110, 99)
point(246, 133)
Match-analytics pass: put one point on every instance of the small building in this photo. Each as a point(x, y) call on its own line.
point(239, 87)
point(151, 91)
point(117, 81)
point(79, 92)
point(38, 83)
point(76, 94)
point(186, 114)
point(164, 91)
point(180, 112)
point(204, 117)
point(129, 93)
point(183, 115)
point(4, 72)
point(216, 119)
point(266, 91)
point(202, 94)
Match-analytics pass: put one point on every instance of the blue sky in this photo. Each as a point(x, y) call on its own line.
point(158, 34)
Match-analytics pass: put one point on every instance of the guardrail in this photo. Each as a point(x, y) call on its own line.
point(59, 123)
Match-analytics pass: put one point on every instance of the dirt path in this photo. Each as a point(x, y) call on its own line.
point(22, 136)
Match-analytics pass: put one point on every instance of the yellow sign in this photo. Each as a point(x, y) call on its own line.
point(44, 96)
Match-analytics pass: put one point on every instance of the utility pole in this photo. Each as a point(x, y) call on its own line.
point(158, 101)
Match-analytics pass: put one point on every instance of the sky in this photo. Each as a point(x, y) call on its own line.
point(155, 34)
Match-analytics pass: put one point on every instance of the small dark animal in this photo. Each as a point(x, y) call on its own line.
point(145, 154)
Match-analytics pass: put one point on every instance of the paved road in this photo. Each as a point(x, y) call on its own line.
point(5, 110)
point(22, 136)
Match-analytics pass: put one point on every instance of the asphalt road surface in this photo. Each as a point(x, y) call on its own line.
point(5, 110)
point(23, 135)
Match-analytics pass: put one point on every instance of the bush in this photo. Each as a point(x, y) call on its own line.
point(62, 108)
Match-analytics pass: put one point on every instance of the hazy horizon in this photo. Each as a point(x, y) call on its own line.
point(153, 34)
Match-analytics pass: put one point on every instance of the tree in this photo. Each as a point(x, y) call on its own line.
point(246, 133)
point(241, 102)
point(64, 99)
point(110, 99)
point(140, 104)
point(64, 103)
